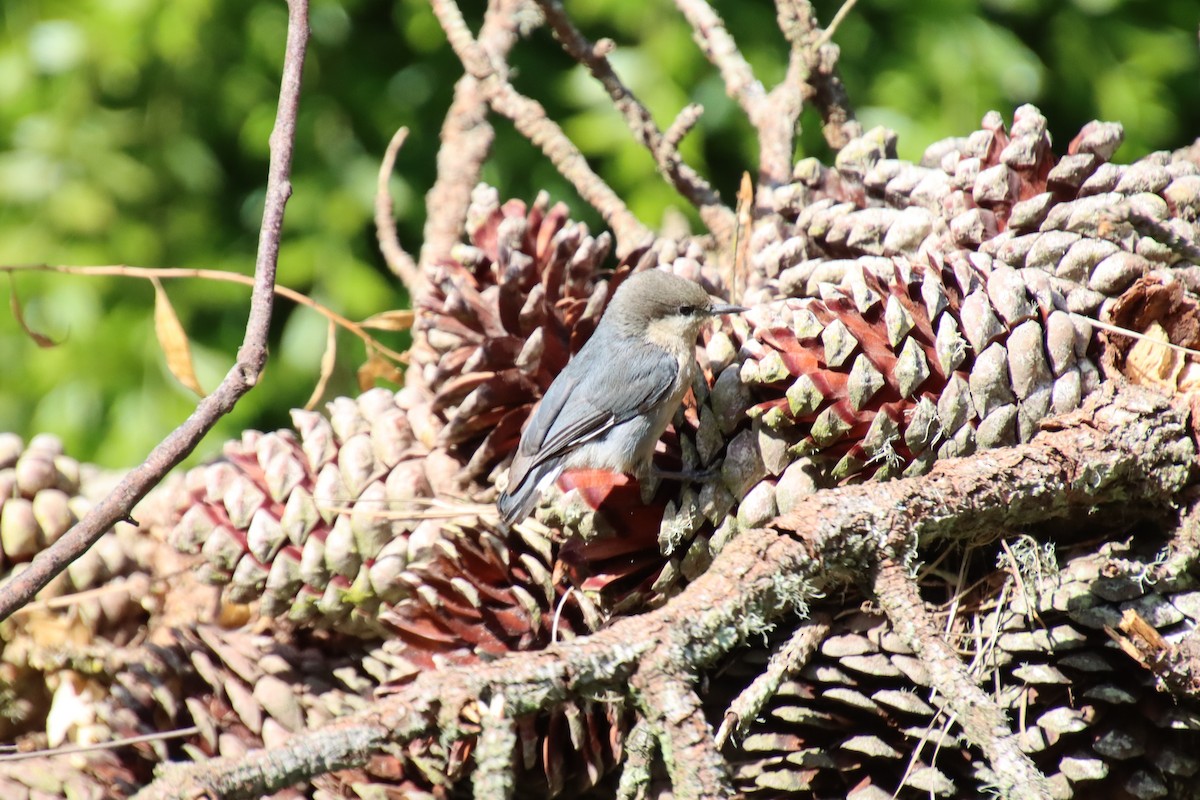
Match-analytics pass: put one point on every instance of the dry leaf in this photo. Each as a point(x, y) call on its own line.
point(399, 320)
point(173, 340)
point(1152, 364)
point(328, 361)
point(378, 368)
point(40, 339)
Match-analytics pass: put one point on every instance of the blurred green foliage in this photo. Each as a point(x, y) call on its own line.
point(135, 132)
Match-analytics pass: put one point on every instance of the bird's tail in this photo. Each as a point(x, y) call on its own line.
point(516, 502)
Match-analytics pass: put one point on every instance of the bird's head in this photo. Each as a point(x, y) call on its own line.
point(665, 308)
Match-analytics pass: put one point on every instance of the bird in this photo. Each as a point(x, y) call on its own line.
point(613, 400)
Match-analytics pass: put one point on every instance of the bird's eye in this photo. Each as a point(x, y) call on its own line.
point(687, 311)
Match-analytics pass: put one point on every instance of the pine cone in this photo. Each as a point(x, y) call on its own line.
point(878, 379)
point(39, 488)
point(247, 690)
point(933, 363)
point(479, 593)
point(1093, 225)
point(322, 526)
point(44, 492)
point(848, 723)
point(502, 320)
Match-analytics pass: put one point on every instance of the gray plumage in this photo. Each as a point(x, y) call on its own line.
point(612, 402)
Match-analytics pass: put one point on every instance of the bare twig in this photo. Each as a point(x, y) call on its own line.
point(172, 273)
point(718, 46)
point(715, 214)
point(775, 125)
point(982, 720)
point(1125, 447)
point(242, 377)
point(785, 662)
point(531, 120)
point(811, 74)
point(827, 92)
point(831, 29)
point(397, 258)
point(157, 736)
point(466, 139)
point(682, 125)
point(777, 131)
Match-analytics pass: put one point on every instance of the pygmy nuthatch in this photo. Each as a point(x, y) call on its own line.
point(613, 401)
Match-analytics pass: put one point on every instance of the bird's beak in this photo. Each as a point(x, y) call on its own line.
point(719, 309)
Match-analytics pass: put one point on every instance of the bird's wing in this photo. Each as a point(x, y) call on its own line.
point(568, 417)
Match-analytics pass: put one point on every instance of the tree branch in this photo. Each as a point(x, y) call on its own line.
point(1125, 446)
point(241, 378)
point(717, 216)
point(466, 140)
point(531, 120)
point(785, 662)
point(981, 718)
point(398, 260)
point(669, 702)
point(827, 92)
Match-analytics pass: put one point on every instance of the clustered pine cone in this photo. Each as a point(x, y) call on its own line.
point(901, 313)
point(1037, 625)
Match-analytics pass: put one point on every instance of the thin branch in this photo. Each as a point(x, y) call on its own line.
point(777, 133)
point(773, 116)
point(708, 29)
point(827, 92)
point(685, 740)
point(242, 377)
point(398, 260)
point(785, 662)
point(836, 22)
point(682, 125)
point(982, 720)
point(466, 140)
point(531, 120)
point(715, 214)
point(157, 736)
point(1126, 446)
point(172, 273)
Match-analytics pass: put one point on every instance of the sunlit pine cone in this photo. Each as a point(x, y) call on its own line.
point(858, 720)
point(479, 593)
point(245, 690)
point(319, 526)
point(878, 379)
point(39, 488)
point(942, 359)
point(500, 321)
point(1093, 225)
point(102, 776)
point(43, 492)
